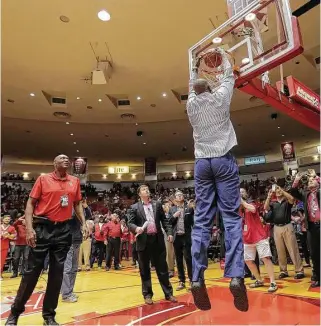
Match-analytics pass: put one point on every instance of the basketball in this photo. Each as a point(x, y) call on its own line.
point(213, 59)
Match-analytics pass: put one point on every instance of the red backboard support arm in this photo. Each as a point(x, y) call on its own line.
point(270, 95)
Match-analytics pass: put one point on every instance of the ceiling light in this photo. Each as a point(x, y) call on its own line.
point(136, 124)
point(319, 149)
point(32, 94)
point(144, 143)
point(316, 157)
point(138, 98)
point(104, 15)
point(100, 100)
point(164, 94)
point(75, 143)
point(217, 40)
point(67, 123)
point(71, 134)
point(245, 61)
point(77, 150)
point(283, 135)
point(249, 17)
point(279, 127)
point(78, 98)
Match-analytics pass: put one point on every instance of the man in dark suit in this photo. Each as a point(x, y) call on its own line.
point(181, 218)
point(146, 219)
point(310, 196)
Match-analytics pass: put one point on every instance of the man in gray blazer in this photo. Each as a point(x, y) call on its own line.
point(181, 218)
point(146, 219)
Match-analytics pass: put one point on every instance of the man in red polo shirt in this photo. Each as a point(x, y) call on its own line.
point(48, 213)
point(113, 234)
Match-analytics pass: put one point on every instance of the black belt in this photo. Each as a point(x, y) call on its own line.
point(281, 224)
point(151, 234)
point(113, 237)
point(45, 220)
point(316, 222)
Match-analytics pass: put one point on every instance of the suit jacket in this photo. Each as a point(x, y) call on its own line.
point(188, 220)
point(137, 218)
point(303, 195)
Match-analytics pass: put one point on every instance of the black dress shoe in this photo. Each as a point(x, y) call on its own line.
point(201, 298)
point(316, 284)
point(14, 275)
point(238, 290)
point(50, 321)
point(12, 319)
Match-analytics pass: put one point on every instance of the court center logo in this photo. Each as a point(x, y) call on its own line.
point(33, 305)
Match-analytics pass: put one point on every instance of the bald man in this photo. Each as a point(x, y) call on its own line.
point(48, 213)
point(216, 182)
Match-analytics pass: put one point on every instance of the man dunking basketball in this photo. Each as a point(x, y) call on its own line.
point(216, 181)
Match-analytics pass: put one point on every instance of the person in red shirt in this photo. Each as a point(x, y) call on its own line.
point(255, 239)
point(113, 234)
point(21, 249)
point(47, 215)
point(8, 233)
point(97, 247)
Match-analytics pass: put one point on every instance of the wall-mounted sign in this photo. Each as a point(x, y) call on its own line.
point(118, 169)
point(288, 152)
point(254, 160)
point(319, 149)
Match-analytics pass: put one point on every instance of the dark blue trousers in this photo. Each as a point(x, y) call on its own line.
point(217, 186)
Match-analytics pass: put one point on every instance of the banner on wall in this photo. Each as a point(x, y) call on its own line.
point(79, 167)
point(288, 152)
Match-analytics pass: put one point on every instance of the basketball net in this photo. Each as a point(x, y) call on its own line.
point(214, 65)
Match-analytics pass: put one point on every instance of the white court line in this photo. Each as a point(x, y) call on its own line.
point(154, 314)
point(38, 301)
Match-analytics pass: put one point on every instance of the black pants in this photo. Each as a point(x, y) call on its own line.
point(304, 244)
point(55, 239)
point(97, 250)
point(182, 249)
point(20, 252)
point(124, 249)
point(112, 250)
point(134, 253)
point(314, 241)
point(158, 253)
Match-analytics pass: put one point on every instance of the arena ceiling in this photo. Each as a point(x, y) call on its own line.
point(147, 42)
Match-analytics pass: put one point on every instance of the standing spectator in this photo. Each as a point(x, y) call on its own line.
point(182, 218)
point(113, 233)
point(71, 263)
point(48, 211)
point(85, 247)
point(256, 240)
point(170, 255)
point(311, 200)
point(21, 248)
point(97, 248)
point(279, 213)
point(124, 240)
point(146, 219)
point(8, 233)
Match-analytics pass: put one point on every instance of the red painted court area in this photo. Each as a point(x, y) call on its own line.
point(265, 309)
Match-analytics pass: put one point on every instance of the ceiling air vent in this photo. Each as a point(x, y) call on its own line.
point(62, 115)
point(184, 97)
point(56, 99)
point(123, 102)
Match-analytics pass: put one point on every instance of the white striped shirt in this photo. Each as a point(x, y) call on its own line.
point(209, 116)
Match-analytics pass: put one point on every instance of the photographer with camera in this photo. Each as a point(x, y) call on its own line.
point(279, 213)
point(310, 196)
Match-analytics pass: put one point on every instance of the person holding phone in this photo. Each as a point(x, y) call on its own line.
point(310, 196)
point(279, 213)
